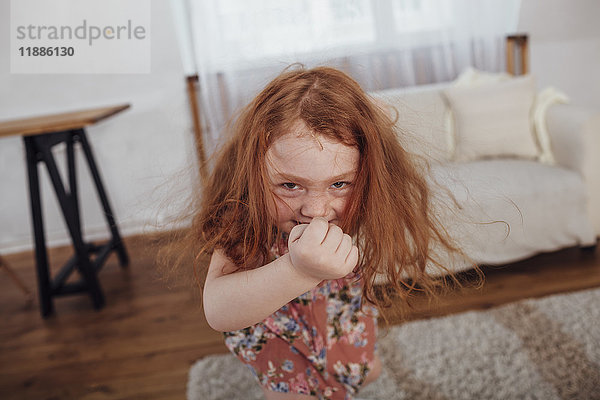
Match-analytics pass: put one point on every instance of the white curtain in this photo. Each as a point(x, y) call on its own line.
point(237, 46)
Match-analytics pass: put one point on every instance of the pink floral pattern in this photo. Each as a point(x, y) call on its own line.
point(322, 343)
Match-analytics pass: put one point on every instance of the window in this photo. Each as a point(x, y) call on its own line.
point(412, 16)
point(242, 31)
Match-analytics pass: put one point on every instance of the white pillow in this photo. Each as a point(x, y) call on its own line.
point(493, 119)
point(474, 77)
point(420, 118)
point(471, 77)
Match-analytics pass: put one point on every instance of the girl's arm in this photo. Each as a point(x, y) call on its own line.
point(236, 300)
point(241, 299)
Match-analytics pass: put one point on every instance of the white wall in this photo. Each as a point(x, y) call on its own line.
point(136, 150)
point(565, 46)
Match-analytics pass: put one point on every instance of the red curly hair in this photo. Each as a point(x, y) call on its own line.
point(389, 211)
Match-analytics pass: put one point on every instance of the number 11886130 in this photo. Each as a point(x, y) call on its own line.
point(58, 51)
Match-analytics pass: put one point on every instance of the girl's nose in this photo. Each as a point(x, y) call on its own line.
point(315, 205)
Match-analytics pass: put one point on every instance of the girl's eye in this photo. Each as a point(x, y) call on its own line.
point(289, 185)
point(340, 185)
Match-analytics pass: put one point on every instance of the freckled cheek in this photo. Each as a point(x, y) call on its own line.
point(285, 209)
point(339, 206)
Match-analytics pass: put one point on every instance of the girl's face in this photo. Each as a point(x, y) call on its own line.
point(310, 177)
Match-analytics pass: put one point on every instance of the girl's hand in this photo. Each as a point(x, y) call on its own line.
point(322, 250)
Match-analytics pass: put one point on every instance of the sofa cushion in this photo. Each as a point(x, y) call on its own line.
point(511, 209)
point(472, 77)
point(493, 120)
point(422, 119)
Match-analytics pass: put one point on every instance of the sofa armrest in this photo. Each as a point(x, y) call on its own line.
point(575, 137)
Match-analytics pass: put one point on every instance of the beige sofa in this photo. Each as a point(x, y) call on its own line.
point(502, 196)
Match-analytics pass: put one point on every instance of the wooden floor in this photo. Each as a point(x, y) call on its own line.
point(141, 345)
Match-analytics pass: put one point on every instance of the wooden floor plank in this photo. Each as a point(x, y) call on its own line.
point(142, 344)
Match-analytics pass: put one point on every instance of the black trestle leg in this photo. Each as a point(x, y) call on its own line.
point(41, 257)
point(70, 212)
point(110, 219)
point(39, 149)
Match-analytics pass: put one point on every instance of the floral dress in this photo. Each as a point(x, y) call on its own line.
point(322, 343)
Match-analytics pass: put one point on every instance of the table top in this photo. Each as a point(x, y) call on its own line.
point(58, 122)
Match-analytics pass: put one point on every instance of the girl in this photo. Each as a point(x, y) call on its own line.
point(312, 198)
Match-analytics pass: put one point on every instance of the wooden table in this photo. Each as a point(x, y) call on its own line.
point(40, 134)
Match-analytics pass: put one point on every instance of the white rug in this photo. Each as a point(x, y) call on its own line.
point(545, 348)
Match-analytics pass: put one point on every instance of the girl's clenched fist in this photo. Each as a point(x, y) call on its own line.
point(322, 250)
